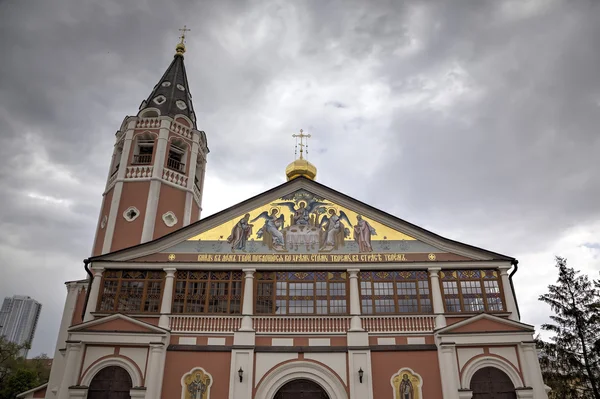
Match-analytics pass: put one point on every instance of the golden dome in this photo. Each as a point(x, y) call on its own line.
point(301, 167)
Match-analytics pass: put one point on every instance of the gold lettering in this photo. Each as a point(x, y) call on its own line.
point(205, 258)
point(303, 258)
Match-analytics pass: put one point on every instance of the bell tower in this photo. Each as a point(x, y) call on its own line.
point(156, 175)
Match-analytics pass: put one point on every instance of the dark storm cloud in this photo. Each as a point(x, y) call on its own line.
point(475, 119)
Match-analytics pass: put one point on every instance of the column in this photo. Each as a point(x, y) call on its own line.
point(532, 374)
point(436, 297)
point(449, 371)
point(73, 363)
point(355, 322)
point(167, 298)
point(94, 293)
point(156, 369)
point(248, 301)
point(509, 299)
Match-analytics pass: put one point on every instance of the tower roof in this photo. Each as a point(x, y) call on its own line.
point(171, 95)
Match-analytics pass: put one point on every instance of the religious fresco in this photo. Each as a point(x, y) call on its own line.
point(196, 384)
point(305, 223)
point(407, 384)
point(303, 227)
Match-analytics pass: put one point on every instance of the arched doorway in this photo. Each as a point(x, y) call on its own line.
point(301, 389)
point(111, 382)
point(492, 383)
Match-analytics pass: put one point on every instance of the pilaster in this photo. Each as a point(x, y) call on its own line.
point(509, 299)
point(449, 370)
point(157, 172)
point(360, 360)
point(532, 373)
point(167, 299)
point(156, 370)
point(72, 368)
point(242, 362)
point(118, 189)
point(92, 303)
point(189, 196)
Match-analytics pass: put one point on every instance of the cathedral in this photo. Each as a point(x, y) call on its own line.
point(299, 292)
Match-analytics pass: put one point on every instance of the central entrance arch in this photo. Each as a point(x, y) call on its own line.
point(301, 389)
point(492, 383)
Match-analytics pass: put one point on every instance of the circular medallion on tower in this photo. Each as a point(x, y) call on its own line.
point(103, 222)
point(180, 87)
point(181, 104)
point(166, 84)
point(160, 99)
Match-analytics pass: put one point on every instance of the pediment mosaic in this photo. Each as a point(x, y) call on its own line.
point(304, 227)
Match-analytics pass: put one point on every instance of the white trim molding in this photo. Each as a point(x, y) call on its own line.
point(128, 365)
point(488, 361)
point(321, 375)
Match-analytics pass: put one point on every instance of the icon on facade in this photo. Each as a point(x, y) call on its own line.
point(196, 384)
point(407, 384)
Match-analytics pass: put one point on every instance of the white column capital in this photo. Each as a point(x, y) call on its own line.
point(353, 273)
point(97, 271)
point(137, 393)
point(504, 270)
point(249, 273)
point(434, 271)
point(74, 346)
point(170, 271)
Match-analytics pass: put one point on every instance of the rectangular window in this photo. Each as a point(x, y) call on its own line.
point(301, 293)
point(175, 159)
point(394, 292)
point(131, 291)
point(471, 291)
point(208, 292)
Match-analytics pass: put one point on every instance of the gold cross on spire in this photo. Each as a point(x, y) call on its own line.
point(301, 136)
point(180, 48)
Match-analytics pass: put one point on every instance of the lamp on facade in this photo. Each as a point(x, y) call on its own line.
point(360, 374)
point(241, 374)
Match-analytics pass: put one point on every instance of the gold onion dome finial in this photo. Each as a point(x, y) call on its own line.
point(180, 48)
point(301, 167)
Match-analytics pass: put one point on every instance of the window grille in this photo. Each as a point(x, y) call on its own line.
point(394, 292)
point(471, 291)
point(302, 292)
point(132, 291)
point(208, 292)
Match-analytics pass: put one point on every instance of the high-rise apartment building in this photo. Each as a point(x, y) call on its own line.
point(18, 319)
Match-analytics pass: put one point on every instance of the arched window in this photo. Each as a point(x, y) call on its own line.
point(177, 156)
point(144, 148)
point(112, 382)
point(301, 389)
point(492, 383)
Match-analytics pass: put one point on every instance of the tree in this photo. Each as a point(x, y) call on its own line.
point(18, 374)
point(571, 358)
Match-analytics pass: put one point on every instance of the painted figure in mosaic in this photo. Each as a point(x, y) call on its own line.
point(198, 386)
point(406, 388)
point(240, 234)
point(335, 230)
point(362, 234)
point(270, 232)
point(301, 215)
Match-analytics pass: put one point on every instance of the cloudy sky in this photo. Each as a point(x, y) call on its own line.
point(476, 119)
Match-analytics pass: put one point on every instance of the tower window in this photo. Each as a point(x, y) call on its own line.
point(131, 213)
point(143, 152)
point(160, 99)
point(170, 219)
point(175, 160)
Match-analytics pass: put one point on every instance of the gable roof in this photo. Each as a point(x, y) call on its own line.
point(117, 323)
point(485, 323)
point(285, 188)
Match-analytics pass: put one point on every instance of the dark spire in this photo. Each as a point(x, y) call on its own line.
point(172, 93)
